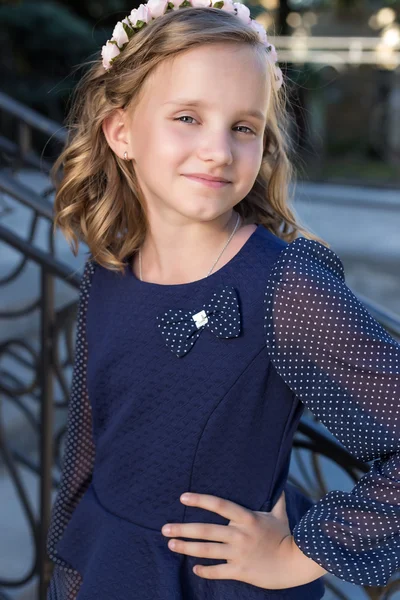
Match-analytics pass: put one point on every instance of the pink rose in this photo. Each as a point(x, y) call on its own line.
point(132, 17)
point(243, 12)
point(200, 3)
point(229, 7)
point(273, 54)
point(109, 51)
point(279, 77)
point(176, 4)
point(262, 34)
point(127, 22)
point(140, 14)
point(157, 7)
point(119, 35)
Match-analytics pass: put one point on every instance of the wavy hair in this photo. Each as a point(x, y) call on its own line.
point(98, 199)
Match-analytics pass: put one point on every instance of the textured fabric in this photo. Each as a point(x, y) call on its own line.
point(219, 419)
point(345, 367)
point(78, 456)
point(220, 315)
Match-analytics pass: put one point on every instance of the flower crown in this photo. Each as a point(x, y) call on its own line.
point(139, 17)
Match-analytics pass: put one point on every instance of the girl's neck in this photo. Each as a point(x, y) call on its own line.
point(174, 260)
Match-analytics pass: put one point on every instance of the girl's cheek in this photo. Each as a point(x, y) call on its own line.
point(179, 135)
point(251, 155)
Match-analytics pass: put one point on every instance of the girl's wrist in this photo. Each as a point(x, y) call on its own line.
point(301, 568)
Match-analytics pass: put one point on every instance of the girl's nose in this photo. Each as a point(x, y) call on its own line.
point(216, 146)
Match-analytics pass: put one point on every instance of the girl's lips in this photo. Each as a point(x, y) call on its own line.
point(208, 182)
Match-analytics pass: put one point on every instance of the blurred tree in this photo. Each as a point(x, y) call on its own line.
point(109, 11)
point(41, 43)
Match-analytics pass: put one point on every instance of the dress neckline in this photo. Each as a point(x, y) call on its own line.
point(213, 276)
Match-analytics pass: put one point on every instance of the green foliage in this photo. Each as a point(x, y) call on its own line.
point(109, 11)
point(45, 33)
point(41, 43)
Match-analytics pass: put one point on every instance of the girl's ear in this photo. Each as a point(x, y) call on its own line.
point(116, 132)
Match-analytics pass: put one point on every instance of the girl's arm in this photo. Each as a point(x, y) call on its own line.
point(345, 367)
point(78, 456)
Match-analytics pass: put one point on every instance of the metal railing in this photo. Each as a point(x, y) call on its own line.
point(34, 395)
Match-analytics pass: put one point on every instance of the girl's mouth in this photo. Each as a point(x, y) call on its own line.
point(208, 182)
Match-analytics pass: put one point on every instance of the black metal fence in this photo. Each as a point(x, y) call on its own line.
point(35, 367)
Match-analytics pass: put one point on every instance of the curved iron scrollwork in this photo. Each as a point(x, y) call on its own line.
point(36, 359)
point(312, 452)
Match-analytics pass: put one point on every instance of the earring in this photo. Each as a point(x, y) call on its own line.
point(125, 155)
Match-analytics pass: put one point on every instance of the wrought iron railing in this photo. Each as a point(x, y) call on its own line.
point(36, 367)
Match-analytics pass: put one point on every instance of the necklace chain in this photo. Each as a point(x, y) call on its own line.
point(219, 256)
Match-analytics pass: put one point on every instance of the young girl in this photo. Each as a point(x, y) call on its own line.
point(205, 325)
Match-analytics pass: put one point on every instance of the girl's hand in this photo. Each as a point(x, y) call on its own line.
point(256, 545)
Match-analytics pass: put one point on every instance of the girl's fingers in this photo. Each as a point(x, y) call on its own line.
point(200, 549)
point(203, 531)
point(223, 571)
point(226, 508)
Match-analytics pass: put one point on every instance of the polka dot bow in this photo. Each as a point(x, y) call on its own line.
point(221, 315)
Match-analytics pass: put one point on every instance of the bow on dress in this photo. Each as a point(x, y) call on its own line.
point(221, 315)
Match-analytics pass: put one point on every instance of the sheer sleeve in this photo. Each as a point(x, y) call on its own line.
point(78, 456)
point(345, 367)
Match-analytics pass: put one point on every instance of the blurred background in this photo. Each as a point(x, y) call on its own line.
point(341, 60)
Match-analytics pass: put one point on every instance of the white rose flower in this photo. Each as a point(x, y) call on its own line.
point(200, 3)
point(262, 34)
point(279, 77)
point(157, 7)
point(119, 35)
point(127, 22)
point(229, 7)
point(108, 52)
point(273, 53)
point(243, 12)
point(140, 14)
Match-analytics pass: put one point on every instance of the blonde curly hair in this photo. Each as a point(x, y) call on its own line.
point(98, 200)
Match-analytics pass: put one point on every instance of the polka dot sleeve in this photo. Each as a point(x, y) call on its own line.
point(345, 367)
point(78, 456)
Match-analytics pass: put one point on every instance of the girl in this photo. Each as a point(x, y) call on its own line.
point(206, 324)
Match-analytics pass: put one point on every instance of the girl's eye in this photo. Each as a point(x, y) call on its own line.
point(243, 126)
point(183, 117)
point(249, 130)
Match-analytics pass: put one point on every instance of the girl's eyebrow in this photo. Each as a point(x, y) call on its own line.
point(182, 101)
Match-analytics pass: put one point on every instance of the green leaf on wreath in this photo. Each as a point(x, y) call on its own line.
point(128, 30)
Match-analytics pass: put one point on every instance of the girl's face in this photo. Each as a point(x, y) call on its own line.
point(195, 116)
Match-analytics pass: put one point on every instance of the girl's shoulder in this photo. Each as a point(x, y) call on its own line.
point(302, 257)
point(89, 269)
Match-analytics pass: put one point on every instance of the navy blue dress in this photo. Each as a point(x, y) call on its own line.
point(200, 387)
